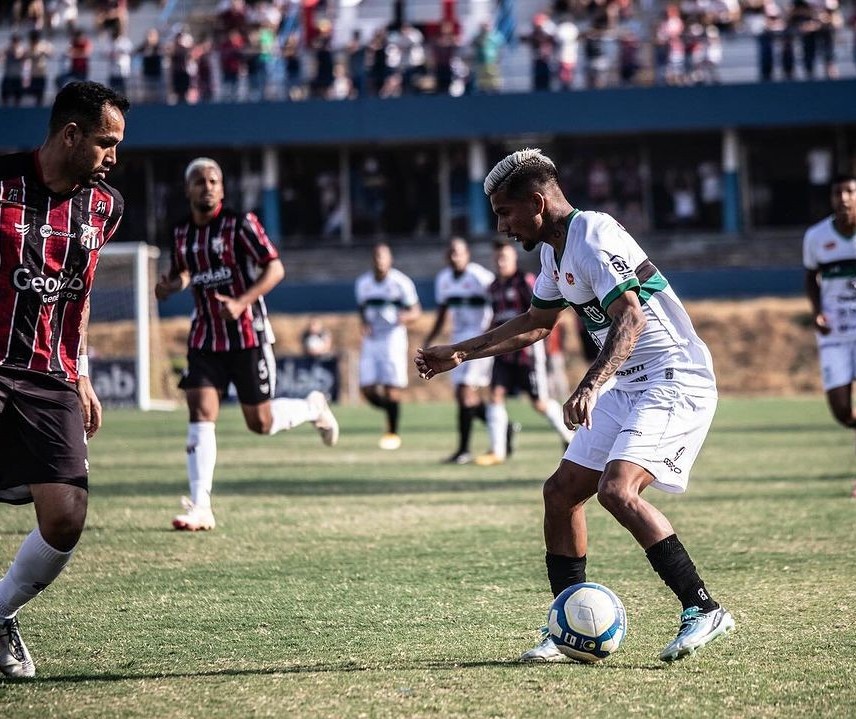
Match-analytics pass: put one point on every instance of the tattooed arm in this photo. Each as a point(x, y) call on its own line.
point(628, 322)
point(89, 404)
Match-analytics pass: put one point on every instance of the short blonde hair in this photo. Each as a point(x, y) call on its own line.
point(200, 163)
point(529, 158)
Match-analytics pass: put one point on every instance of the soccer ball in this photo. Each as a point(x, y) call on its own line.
point(587, 622)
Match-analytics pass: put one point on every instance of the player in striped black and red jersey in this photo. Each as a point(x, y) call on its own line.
point(56, 213)
point(228, 260)
point(522, 371)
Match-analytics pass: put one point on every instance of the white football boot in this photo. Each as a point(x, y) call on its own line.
point(546, 651)
point(193, 518)
point(326, 423)
point(15, 659)
point(697, 629)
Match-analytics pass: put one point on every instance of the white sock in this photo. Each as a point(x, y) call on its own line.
point(289, 413)
point(497, 428)
point(201, 458)
point(553, 413)
point(35, 566)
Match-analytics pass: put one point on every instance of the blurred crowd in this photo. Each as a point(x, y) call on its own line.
point(288, 49)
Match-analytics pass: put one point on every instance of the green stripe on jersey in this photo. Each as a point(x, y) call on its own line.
point(619, 290)
point(466, 301)
point(549, 304)
point(842, 268)
point(377, 302)
point(655, 283)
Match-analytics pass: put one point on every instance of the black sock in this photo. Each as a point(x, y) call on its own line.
point(392, 416)
point(465, 426)
point(480, 412)
point(564, 571)
point(671, 561)
point(375, 400)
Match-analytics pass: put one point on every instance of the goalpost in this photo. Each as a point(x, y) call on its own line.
point(128, 363)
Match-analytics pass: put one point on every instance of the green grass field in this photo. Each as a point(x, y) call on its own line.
point(351, 582)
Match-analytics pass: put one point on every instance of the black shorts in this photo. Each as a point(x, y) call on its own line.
point(42, 439)
point(515, 378)
point(252, 372)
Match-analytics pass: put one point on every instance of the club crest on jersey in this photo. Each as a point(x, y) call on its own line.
point(829, 245)
point(218, 245)
point(89, 237)
point(556, 276)
point(569, 278)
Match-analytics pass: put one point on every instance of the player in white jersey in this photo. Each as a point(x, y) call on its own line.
point(388, 302)
point(829, 256)
point(462, 291)
point(644, 406)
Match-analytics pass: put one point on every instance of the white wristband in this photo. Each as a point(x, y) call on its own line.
point(83, 366)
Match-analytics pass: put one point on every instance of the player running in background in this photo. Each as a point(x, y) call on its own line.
point(829, 256)
point(56, 213)
point(644, 407)
point(230, 264)
point(388, 302)
point(461, 290)
point(522, 371)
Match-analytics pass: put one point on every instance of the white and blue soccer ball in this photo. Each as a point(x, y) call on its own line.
point(587, 622)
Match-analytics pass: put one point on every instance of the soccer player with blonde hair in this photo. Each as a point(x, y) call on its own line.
point(643, 408)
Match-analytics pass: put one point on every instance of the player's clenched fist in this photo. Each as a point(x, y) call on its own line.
point(431, 361)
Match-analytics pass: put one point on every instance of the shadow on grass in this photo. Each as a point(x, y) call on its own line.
point(316, 487)
point(334, 668)
point(773, 428)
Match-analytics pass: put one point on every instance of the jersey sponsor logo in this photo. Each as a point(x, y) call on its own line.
point(569, 278)
point(212, 278)
point(619, 264)
point(50, 289)
point(634, 432)
point(89, 237)
point(629, 370)
point(829, 245)
point(48, 231)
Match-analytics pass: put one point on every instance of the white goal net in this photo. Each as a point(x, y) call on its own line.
point(128, 362)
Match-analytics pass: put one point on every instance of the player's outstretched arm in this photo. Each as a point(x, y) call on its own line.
point(525, 329)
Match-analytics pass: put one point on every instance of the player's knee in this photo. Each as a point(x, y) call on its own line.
point(259, 425)
point(556, 492)
point(614, 498)
point(62, 526)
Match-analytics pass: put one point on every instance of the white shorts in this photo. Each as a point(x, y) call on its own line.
point(384, 361)
point(475, 373)
point(661, 429)
point(837, 364)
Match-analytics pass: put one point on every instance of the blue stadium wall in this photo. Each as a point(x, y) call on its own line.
point(620, 111)
point(309, 298)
